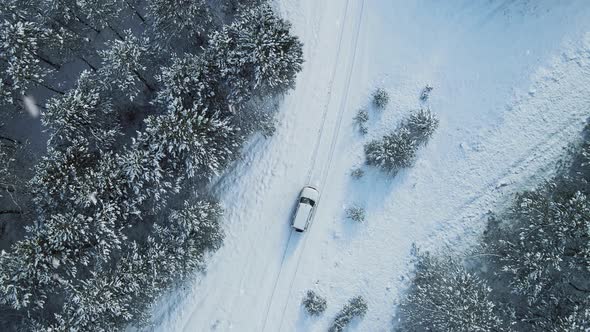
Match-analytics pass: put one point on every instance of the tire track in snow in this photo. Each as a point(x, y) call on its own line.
point(320, 132)
point(476, 207)
point(314, 156)
point(531, 167)
point(227, 308)
point(247, 265)
point(314, 159)
point(328, 164)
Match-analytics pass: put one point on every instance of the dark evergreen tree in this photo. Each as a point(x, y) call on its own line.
point(392, 152)
point(355, 308)
point(24, 65)
point(180, 19)
point(360, 120)
point(314, 304)
point(256, 54)
point(124, 64)
point(445, 297)
point(421, 125)
point(83, 112)
point(355, 213)
point(191, 80)
point(380, 98)
point(425, 93)
point(189, 234)
point(89, 15)
point(196, 143)
point(100, 248)
point(8, 173)
point(540, 248)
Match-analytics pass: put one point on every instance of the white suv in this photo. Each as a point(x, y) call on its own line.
point(305, 208)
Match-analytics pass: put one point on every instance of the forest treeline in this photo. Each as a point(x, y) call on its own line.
point(143, 103)
point(531, 271)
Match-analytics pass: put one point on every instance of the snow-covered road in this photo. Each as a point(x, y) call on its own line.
point(511, 87)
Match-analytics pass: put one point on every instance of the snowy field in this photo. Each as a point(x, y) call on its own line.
point(510, 85)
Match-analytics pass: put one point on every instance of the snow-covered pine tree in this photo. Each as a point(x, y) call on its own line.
point(357, 173)
point(83, 15)
point(192, 80)
point(360, 119)
point(355, 213)
point(380, 98)
point(124, 64)
point(148, 181)
point(355, 308)
point(85, 183)
point(110, 297)
point(35, 45)
point(446, 297)
point(585, 154)
point(314, 304)
point(421, 125)
point(196, 141)
point(24, 65)
point(82, 206)
point(8, 178)
point(56, 172)
point(545, 243)
point(188, 234)
point(15, 171)
point(577, 321)
point(25, 276)
point(179, 20)
point(274, 54)
point(82, 112)
point(256, 116)
point(425, 93)
point(256, 54)
point(57, 40)
point(393, 151)
point(88, 182)
point(7, 94)
point(52, 254)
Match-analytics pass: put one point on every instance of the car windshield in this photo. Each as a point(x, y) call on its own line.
point(307, 201)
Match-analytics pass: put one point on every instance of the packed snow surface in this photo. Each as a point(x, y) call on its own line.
point(510, 83)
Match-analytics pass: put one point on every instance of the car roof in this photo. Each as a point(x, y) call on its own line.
point(303, 211)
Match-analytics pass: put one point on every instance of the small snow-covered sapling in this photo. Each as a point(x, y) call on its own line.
point(361, 119)
point(314, 304)
point(356, 213)
point(357, 173)
point(380, 98)
point(426, 92)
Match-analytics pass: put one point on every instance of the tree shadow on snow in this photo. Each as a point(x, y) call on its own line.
point(375, 187)
point(371, 192)
point(305, 321)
